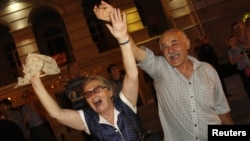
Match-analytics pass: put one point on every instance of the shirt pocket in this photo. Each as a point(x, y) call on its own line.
point(205, 94)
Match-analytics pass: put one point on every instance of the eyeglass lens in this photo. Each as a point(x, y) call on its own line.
point(96, 90)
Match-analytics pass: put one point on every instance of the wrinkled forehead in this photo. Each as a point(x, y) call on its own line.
point(91, 84)
point(171, 37)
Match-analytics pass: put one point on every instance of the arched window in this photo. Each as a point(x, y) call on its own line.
point(99, 33)
point(51, 35)
point(9, 58)
point(56, 44)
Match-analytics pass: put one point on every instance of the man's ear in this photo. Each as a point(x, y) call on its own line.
point(188, 43)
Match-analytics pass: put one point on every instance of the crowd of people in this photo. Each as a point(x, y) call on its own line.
point(191, 92)
point(7, 112)
point(35, 118)
point(239, 47)
point(238, 53)
point(206, 53)
point(30, 118)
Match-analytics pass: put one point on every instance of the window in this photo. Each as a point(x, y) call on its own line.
point(56, 45)
point(10, 63)
point(99, 33)
point(51, 35)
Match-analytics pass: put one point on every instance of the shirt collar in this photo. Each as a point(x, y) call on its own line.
point(196, 63)
point(104, 121)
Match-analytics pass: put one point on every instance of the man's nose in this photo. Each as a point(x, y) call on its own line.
point(171, 49)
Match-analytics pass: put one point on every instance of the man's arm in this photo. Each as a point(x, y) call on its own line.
point(226, 119)
point(118, 29)
point(139, 53)
point(103, 12)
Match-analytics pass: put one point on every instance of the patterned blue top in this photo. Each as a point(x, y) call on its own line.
point(105, 132)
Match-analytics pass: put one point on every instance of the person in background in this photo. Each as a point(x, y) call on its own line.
point(107, 119)
point(238, 31)
point(241, 31)
point(238, 56)
point(35, 118)
point(208, 54)
point(116, 78)
point(73, 87)
point(73, 90)
point(190, 94)
point(74, 82)
point(247, 32)
point(8, 113)
point(247, 36)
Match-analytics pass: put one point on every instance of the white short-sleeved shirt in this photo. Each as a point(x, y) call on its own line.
point(186, 106)
point(116, 113)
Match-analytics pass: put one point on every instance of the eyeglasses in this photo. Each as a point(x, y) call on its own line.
point(96, 90)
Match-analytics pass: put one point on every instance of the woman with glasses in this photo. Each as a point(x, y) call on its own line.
point(107, 119)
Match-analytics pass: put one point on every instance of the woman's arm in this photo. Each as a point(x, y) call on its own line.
point(67, 117)
point(118, 29)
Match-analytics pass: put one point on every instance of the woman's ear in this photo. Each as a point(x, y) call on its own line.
point(111, 93)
